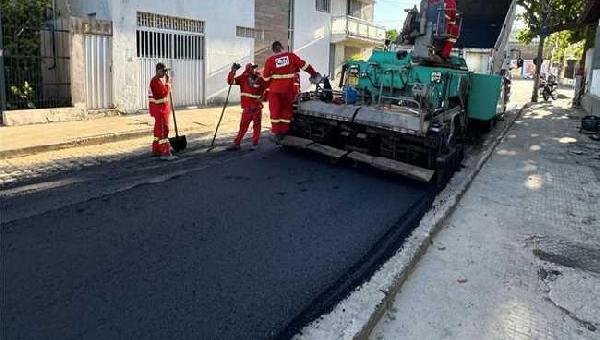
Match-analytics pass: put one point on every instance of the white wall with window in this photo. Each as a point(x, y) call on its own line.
point(226, 39)
point(312, 34)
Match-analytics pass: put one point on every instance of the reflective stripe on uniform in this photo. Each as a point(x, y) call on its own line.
point(452, 40)
point(451, 22)
point(158, 101)
point(156, 139)
point(306, 65)
point(249, 95)
point(163, 141)
point(287, 121)
point(282, 76)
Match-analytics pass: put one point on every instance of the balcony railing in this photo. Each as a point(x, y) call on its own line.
point(346, 27)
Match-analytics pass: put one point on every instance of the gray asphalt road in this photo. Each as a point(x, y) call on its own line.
point(225, 246)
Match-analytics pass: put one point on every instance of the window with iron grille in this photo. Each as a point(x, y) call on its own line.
point(167, 37)
point(248, 32)
point(153, 20)
point(166, 45)
point(323, 5)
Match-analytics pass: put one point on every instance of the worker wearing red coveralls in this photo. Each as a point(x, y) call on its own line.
point(159, 108)
point(252, 87)
point(452, 28)
point(279, 72)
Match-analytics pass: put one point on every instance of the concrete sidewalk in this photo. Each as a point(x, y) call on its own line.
point(519, 258)
point(31, 139)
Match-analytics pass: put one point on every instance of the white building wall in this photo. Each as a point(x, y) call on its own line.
point(312, 36)
point(339, 7)
point(83, 8)
point(222, 47)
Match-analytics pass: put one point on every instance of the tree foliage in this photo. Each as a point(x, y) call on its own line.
point(391, 34)
point(21, 22)
point(564, 45)
point(550, 16)
point(21, 38)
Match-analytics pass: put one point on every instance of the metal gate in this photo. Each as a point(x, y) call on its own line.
point(98, 71)
point(177, 42)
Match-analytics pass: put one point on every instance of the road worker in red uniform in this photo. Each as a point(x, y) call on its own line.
point(159, 108)
point(252, 88)
point(279, 72)
point(452, 28)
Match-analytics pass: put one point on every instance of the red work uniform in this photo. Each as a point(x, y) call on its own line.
point(251, 95)
point(452, 28)
point(160, 109)
point(297, 88)
point(279, 72)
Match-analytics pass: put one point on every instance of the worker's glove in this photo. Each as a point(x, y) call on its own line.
point(316, 79)
point(235, 67)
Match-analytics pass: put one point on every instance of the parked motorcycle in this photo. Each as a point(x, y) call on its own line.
point(548, 88)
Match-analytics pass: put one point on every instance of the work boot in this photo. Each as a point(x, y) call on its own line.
point(254, 147)
point(233, 147)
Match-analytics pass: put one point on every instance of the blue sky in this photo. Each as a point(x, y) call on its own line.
point(390, 13)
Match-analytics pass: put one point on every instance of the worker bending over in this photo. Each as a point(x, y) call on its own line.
point(279, 73)
point(252, 88)
point(160, 109)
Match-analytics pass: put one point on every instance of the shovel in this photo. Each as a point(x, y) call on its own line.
point(178, 143)
point(212, 144)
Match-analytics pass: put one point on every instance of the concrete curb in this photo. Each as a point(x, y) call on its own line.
point(357, 315)
point(87, 140)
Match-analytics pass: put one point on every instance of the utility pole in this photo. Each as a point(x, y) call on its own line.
point(2, 80)
point(291, 24)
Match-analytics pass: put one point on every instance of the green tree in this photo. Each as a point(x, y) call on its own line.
point(21, 21)
point(543, 18)
point(564, 44)
point(391, 34)
point(21, 24)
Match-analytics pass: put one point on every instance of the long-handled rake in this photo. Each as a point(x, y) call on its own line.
point(212, 144)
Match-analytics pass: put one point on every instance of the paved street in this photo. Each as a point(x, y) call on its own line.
point(102, 239)
point(222, 245)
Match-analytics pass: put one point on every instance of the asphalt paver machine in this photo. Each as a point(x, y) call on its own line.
point(404, 110)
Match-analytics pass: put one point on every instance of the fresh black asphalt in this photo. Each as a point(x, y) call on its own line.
point(231, 250)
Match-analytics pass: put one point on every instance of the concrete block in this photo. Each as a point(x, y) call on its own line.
point(36, 116)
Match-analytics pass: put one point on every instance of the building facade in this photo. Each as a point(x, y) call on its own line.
point(201, 39)
point(109, 49)
point(329, 32)
point(591, 98)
